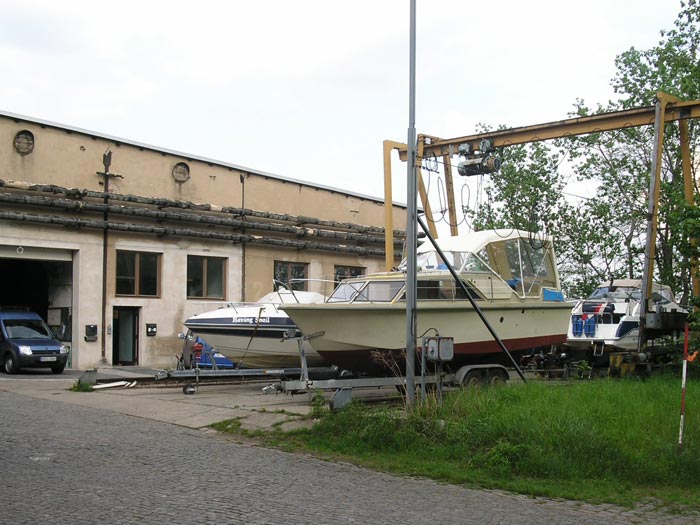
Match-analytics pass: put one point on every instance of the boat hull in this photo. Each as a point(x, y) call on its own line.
point(372, 336)
point(609, 337)
point(266, 349)
point(258, 335)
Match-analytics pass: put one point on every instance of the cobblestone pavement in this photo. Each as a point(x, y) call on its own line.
point(63, 463)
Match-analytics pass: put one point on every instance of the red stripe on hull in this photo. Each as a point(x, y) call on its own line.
point(513, 345)
point(374, 361)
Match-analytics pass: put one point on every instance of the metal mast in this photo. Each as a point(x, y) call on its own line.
point(411, 287)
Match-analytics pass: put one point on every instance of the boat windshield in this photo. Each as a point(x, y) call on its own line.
point(460, 261)
point(526, 265)
point(443, 290)
point(379, 291)
point(365, 291)
point(345, 291)
point(618, 293)
point(661, 294)
point(284, 296)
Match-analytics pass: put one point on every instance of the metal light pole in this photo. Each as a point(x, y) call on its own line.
point(106, 161)
point(411, 287)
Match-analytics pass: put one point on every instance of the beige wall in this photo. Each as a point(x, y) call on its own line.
point(260, 263)
point(171, 308)
point(69, 158)
point(72, 159)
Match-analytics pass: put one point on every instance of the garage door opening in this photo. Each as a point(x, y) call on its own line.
point(42, 286)
point(27, 285)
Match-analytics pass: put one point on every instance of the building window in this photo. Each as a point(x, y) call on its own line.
point(206, 277)
point(138, 273)
point(345, 272)
point(292, 275)
point(24, 142)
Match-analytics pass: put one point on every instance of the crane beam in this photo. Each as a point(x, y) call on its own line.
point(667, 109)
point(629, 118)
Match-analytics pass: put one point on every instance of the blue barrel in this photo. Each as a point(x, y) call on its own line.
point(589, 326)
point(576, 325)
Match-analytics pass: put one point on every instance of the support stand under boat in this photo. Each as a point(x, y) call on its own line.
point(304, 370)
point(302, 354)
point(189, 388)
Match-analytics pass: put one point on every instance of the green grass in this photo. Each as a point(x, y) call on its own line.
point(229, 425)
point(601, 441)
point(81, 387)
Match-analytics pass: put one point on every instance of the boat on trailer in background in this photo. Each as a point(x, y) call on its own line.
point(511, 275)
point(608, 320)
point(258, 334)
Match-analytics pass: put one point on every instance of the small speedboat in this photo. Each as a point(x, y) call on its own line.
point(259, 334)
point(608, 320)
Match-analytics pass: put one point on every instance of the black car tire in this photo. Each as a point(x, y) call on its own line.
point(10, 363)
point(58, 369)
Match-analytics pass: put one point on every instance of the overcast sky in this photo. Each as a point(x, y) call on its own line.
point(309, 89)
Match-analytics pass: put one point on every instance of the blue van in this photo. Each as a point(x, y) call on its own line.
point(27, 342)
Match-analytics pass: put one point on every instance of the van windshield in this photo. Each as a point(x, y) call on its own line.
point(27, 329)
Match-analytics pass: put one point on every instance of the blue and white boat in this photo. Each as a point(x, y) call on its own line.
point(608, 320)
point(259, 334)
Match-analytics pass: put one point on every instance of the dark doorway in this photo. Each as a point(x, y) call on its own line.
point(125, 335)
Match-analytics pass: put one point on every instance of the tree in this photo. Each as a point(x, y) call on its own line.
point(672, 67)
point(617, 164)
point(603, 238)
point(621, 160)
point(526, 194)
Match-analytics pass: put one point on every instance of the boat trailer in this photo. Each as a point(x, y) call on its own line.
point(305, 380)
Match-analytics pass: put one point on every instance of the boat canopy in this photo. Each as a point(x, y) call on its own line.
point(494, 264)
point(626, 290)
point(522, 259)
point(285, 296)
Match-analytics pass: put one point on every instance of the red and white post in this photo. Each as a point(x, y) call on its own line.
point(684, 375)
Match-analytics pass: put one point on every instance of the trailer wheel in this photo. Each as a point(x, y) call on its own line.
point(498, 377)
point(473, 379)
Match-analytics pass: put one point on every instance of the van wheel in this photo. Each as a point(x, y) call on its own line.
point(10, 364)
point(57, 369)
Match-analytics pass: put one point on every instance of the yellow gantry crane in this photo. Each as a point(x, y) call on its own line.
point(476, 148)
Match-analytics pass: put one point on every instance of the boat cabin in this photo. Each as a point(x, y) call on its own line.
point(494, 264)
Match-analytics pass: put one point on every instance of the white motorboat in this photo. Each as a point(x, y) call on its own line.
point(511, 275)
point(259, 334)
point(608, 320)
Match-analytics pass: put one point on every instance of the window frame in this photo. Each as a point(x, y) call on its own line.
point(137, 274)
point(349, 274)
point(293, 283)
point(205, 275)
